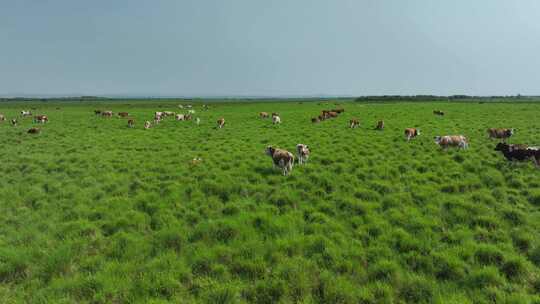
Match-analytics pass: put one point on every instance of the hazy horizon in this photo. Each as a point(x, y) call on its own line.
point(269, 49)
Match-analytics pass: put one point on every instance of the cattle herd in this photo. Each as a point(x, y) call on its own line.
point(285, 160)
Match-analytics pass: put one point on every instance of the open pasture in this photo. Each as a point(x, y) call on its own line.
point(92, 211)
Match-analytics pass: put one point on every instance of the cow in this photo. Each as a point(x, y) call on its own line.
point(106, 113)
point(34, 131)
point(168, 113)
point(221, 122)
point(26, 113)
point(380, 125)
point(147, 125)
point(504, 134)
point(41, 119)
point(303, 153)
point(519, 152)
point(131, 123)
point(123, 114)
point(97, 112)
point(354, 123)
point(14, 122)
point(158, 115)
point(332, 114)
point(321, 117)
point(198, 121)
point(188, 117)
point(276, 120)
point(315, 120)
point(2, 117)
point(411, 133)
point(275, 114)
point(179, 116)
point(263, 115)
point(446, 141)
point(281, 158)
point(438, 112)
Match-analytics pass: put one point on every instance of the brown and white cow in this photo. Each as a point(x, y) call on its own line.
point(34, 131)
point(131, 123)
point(263, 115)
point(447, 141)
point(500, 133)
point(41, 119)
point(221, 122)
point(168, 113)
point(107, 113)
point(25, 113)
point(519, 152)
point(380, 125)
point(188, 117)
point(179, 116)
point(303, 153)
point(332, 114)
point(123, 114)
point(147, 125)
point(281, 158)
point(276, 120)
point(354, 123)
point(411, 133)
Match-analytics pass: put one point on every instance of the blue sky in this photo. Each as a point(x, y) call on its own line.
point(271, 48)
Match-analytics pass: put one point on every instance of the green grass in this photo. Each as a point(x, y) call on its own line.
point(94, 212)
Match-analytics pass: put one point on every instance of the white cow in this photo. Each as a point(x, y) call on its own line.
point(180, 117)
point(276, 120)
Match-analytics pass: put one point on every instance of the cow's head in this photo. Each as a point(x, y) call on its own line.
point(269, 151)
point(437, 139)
point(502, 147)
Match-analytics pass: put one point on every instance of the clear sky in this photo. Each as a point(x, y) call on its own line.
point(269, 47)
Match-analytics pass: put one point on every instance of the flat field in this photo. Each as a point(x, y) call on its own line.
point(92, 211)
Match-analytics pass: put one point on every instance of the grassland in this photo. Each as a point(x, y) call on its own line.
point(94, 212)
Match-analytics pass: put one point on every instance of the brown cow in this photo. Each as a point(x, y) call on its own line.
point(106, 113)
point(131, 123)
point(41, 119)
point(281, 158)
point(123, 114)
point(354, 123)
point(446, 141)
point(221, 122)
point(380, 125)
point(411, 133)
point(34, 131)
point(263, 115)
point(500, 133)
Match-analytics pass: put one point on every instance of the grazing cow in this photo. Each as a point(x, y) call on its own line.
point(354, 123)
point(34, 131)
point(263, 115)
point(519, 152)
point(411, 133)
point(500, 133)
point(180, 117)
point(2, 117)
point(147, 125)
point(131, 123)
point(106, 113)
point(188, 117)
point(315, 120)
point(380, 125)
point(168, 113)
point(41, 119)
point(198, 121)
point(97, 112)
point(14, 122)
point(26, 113)
point(438, 112)
point(303, 153)
point(281, 158)
point(339, 110)
point(446, 141)
point(123, 114)
point(221, 122)
point(276, 120)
